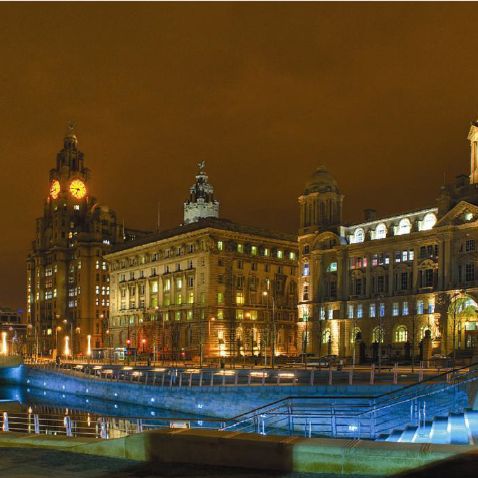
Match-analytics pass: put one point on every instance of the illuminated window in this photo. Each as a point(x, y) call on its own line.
point(428, 221)
point(179, 299)
point(240, 248)
point(401, 334)
point(377, 335)
point(326, 337)
point(359, 235)
point(154, 287)
point(239, 297)
point(179, 283)
point(395, 309)
point(404, 308)
point(266, 252)
point(167, 285)
point(382, 309)
point(332, 267)
point(220, 298)
point(239, 314)
point(280, 254)
point(220, 245)
point(189, 315)
point(191, 298)
point(419, 306)
point(220, 314)
point(350, 311)
point(292, 256)
point(404, 227)
point(305, 269)
point(177, 315)
point(254, 250)
point(359, 311)
point(381, 231)
point(372, 311)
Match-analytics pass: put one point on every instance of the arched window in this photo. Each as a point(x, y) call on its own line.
point(381, 231)
point(326, 336)
point(377, 334)
point(404, 226)
point(359, 235)
point(401, 334)
point(429, 221)
point(305, 269)
point(353, 335)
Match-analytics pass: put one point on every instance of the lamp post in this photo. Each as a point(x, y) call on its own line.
point(454, 298)
point(273, 338)
point(71, 335)
point(57, 329)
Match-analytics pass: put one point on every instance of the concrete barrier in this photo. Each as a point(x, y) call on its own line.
point(284, 454)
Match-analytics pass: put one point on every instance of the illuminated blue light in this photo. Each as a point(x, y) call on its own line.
point(152, 399)
point(153, 414)
point(200, 405)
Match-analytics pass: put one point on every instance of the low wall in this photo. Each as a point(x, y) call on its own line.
point(226, 449)
point(215, 401)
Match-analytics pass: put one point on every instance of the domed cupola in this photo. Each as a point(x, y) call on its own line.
point(321, 203)
point(321, 181)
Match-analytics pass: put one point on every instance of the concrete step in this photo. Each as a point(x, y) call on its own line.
point(408, 435)
point(457, 429)
point(439, 433)
point(423, 433)
point(394, 436)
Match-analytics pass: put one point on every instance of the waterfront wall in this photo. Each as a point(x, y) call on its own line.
point(215, 401)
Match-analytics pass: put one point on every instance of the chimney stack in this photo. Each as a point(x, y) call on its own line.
point(370, 214)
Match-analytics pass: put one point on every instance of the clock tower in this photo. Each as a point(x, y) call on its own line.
point(67, 277)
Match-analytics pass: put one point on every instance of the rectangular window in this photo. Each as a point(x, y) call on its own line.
point(350, 311)
point(405, 308)
point(330, 314)
point(292, 256)
point(254, 250)
point(220, 314)
point(469, 272)
point(372, 311)
point(398, 255)
point(380, 283)
point(470, 245)
point(220, 245)
point(333, 289)
point(359, 311)
point(404, 281)
point(167, 285)
point(419, 307)
point(240, 248)
point(395, 309)
point(431, 307)
point(280, 254)
point(220, 298)
point(358, 286)
point(239, 297)
point(382, 309)
point(266, 252)
point(239, 314)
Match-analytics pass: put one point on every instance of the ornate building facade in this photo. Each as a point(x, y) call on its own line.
point(67, 276)
point(388, 280)
point(209, 288)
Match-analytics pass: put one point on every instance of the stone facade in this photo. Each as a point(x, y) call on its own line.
point(211, 288)
point(389, 279)
point(67, 276)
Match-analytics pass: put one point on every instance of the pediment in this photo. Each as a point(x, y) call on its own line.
point(459, 215)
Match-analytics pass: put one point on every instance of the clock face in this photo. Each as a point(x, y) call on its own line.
point(77, 189)
point(55, 189)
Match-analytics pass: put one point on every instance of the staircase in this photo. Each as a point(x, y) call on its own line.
point(432, 411)
point(455, 429)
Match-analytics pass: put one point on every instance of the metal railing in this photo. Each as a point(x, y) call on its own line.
point(201, 377)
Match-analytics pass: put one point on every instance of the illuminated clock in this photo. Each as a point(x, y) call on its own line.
point(77, 189)
point(54, 189)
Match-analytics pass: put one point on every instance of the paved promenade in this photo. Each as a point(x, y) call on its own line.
point(29, 463)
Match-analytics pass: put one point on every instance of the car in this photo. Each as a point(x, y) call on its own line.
point(325, 361)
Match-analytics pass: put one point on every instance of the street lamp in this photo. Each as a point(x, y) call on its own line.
point(273, 341)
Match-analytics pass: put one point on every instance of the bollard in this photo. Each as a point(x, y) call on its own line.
point(330, 375)
point(200, 379)
point(67, 424)
point(395, 374)
point(249, 379)
point(211, 383)
point(372, 374)
point(190, 379)
point(351, 377)
point(36, 424)
point(5, 422)
point(263, 377)
point(312, 377)
point(420, 375)
point(278, 379)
